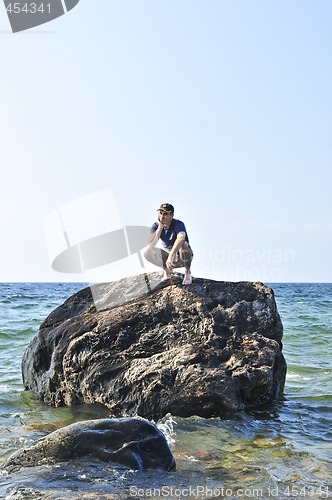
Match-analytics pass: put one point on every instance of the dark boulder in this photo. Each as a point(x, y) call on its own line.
point(133, 442)
point(204, 349)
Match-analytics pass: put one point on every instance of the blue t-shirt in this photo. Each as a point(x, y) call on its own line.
point(168, 236)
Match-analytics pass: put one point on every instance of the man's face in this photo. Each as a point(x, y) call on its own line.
point(165, 217)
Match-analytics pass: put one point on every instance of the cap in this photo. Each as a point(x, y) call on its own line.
point(166, 207)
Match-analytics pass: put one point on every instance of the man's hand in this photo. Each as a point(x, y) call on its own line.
point(170, 263)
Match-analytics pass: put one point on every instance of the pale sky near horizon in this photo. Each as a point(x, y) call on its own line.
point(223, 108)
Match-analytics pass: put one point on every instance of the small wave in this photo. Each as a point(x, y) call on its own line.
point(191, 458)
point(26, 330)
point(296, 376)
point(4, 335)
point(321, 398)
point(15, 333)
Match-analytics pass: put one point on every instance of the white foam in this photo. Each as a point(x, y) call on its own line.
point(296, 376)
point(167, 428)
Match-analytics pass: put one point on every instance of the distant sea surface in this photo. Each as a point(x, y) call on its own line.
point(280, 452)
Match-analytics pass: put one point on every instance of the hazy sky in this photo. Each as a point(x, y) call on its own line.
point(221, 107)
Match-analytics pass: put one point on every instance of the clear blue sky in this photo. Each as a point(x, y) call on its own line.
point(221, 107)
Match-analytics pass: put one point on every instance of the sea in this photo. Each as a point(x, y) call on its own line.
point(283, 451)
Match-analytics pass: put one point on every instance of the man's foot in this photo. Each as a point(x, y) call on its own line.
point(167, 276)
point(187, 280)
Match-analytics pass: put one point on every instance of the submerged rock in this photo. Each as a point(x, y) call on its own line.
point(22, 493)
point(133, 442)
point(204, 349)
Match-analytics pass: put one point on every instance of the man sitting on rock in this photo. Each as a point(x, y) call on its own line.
point(176, 251)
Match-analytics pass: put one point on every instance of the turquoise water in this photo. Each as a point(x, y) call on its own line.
point(279, 452)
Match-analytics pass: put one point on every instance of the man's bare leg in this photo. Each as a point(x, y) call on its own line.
point(158, 257)
point(167, 274)
point(187, 280)
point(186, 256)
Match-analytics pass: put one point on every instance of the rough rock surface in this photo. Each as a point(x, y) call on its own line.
point(204, 349)
point(133, 442)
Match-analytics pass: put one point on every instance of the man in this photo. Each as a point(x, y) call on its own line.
point(176, 251)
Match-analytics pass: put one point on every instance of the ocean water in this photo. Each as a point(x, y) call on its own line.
point(284, 451)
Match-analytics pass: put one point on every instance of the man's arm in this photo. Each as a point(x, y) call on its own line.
point(154, 238)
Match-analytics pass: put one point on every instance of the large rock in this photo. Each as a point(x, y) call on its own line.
point(204, 349)
point(133, 442)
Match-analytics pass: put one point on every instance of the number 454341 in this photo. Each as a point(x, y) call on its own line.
point(28, 8)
